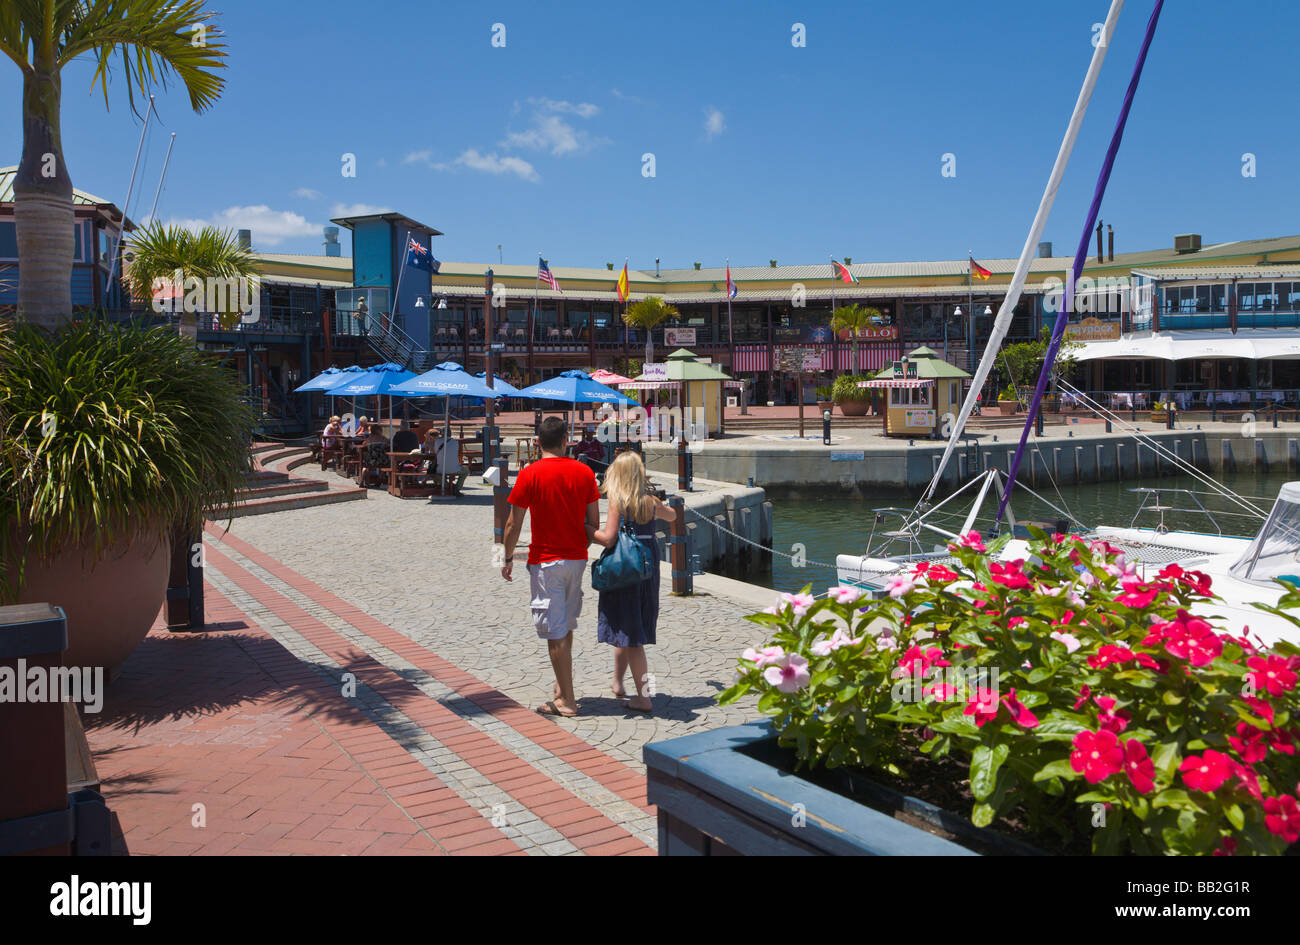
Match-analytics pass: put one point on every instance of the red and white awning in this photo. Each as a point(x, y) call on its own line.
point(898, 382)
point(648, 385)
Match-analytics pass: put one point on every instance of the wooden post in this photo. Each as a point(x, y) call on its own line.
point(683, 475)
point(798, 394)
point(681, 576)
point(184, 602)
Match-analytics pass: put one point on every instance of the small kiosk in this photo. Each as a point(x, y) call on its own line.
point(920, 389)
point(698, 388)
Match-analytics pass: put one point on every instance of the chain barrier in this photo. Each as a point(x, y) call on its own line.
point(750, 541)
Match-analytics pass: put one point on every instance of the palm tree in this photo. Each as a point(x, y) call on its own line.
point(648, 313)
point(854, 318)
point(147, 40)
point(177, 254)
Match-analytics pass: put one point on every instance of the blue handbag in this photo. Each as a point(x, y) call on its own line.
point(629, 562)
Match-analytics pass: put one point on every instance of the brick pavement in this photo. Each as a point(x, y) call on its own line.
point(369, 689)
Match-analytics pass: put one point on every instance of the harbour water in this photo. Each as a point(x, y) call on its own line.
point(818, 530)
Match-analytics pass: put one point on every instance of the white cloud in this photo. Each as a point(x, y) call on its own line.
point(582, 109)
point(270, 227)
point(357, 210)
point(492, 163)
point(550, 132)
point(306, 193)
point(714, 122)
point(418, 157)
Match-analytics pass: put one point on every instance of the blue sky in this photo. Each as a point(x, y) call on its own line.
point(762, 150)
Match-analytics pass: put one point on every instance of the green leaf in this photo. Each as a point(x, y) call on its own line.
point(982, 815)
point(1235, 815)
point(1056, 769)
point(985, 761)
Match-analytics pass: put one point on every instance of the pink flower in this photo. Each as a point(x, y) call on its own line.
point(1096, 755)
point(1206, 773)
point(1069, 640)
point(899, 585)
point(1260, 707)
point(1186, 637)
point(1229, 847)
point(972, 541)
point(1010, 575)
point(1019, 713)
point(982, 704)
point(765, 656)
point(836, 640)
point(1084, 693)
point(800, 602)
point(917, 660)
point(789, 675)
point(844, 595)
point(1110, 653)
point(1282, 817)
point(1251, 745)
point(1138, 766)
point(1272, 674)
point(1137, 595)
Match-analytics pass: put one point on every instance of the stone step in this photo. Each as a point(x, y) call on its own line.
point(259, 477)
point(289, 487)
point(263, 447)
point(266, 459)
point(284, 503)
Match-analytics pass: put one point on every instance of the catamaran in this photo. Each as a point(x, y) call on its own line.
point(1243, 570)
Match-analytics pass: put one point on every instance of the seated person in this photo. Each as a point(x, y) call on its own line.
point(590, 452)
point(445, 453)
point(332, 433)
point(363, 428)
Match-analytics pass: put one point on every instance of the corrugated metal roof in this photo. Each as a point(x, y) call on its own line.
point(7, 175)
point(1280, 271)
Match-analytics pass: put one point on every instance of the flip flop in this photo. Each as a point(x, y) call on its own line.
point(548, 708)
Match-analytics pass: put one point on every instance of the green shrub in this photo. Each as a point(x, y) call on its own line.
point(107, 429)
point(846, 388)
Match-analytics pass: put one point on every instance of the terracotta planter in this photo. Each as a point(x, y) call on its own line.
point(1009, 407)
point(824, 405)
point(111, 604)
point(855, 408)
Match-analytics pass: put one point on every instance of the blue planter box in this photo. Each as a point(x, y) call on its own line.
point(716, 800)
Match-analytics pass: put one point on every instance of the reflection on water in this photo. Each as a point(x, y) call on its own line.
point(837, 525)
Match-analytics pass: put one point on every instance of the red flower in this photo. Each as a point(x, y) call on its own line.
point(1280, 741)
point(1136, 594)
point(1282, 817)
point(1247, 779)
point(1229, 848)
point(1010, 574)
point(1251, 746)
point(1141, 770)
point(1206, 773)
point(1110, 653)
point(1188, 638)
point(1084, 692)
point(1019, 714)
point(1198, 581)
point(983, 705)
point(1260, 707)
point(972, 541)
point(933, 656)
point(1096, 755)
point(1272, 673)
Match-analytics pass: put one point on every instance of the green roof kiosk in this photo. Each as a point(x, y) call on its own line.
point(699, 386)
point(920, 389)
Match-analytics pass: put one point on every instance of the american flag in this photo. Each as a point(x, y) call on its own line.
point(544, 273)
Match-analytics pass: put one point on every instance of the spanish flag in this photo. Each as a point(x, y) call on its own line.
point(978, 272)
point(621, 287)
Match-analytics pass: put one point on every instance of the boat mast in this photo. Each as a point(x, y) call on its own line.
point(1002, 324)
point(1080, 254)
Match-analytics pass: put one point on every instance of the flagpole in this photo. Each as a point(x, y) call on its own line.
point(117, 245)
point(532, 321)
point(834, 334)
point(970, 312)
point(406, 252)
point(731, 337)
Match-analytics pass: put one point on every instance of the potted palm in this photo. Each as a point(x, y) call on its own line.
point(854, 401)
point(112, 436)
point(825, 398)
point(646, 315)
point(852, 319)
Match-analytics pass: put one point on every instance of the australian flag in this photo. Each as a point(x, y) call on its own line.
point(419, 257)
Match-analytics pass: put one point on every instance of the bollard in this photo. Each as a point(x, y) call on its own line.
point(1169, 419)
point(1107, 426)
point(537, 422)
point(500, 507)
point(1275, 416)
point(183, 608)
point(1038, 423)
point(683, 466)
point(826, 428)
point(681, 573)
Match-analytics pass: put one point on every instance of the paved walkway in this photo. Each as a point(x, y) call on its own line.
point(368, 688)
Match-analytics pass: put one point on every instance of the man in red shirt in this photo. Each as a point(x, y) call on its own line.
point(562, 497)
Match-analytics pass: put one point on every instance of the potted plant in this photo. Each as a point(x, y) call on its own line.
point(825, 398)
point(1059, 701)
point(113, 435)
point(1008, 403)
point(1160, 411)
point(854, 401)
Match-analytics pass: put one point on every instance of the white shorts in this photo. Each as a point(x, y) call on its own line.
point(556, 597)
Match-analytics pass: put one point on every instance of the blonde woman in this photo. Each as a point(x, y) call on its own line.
point(626, 618)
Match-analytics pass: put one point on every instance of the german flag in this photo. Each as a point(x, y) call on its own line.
point(621, 287)
point(979, 272)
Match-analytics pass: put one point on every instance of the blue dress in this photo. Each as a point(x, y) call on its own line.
point(627, 616)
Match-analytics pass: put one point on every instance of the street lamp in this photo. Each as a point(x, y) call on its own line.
point(957, 314)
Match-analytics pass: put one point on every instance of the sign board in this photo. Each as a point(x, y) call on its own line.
point(498, 346)
point(919, 418)
point(679, 337)
point(731, 401)
point(654, 372)
point(848, 456)
point(905, 369)
point(881, 333)
point(798, 359)
point(1093, 329)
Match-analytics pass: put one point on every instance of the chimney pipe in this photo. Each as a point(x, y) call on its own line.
point(245, 238)
point(1100, 258)
point(1110, 242)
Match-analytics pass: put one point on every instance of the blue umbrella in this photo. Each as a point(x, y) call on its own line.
point(323, 381)
point(375, 382)
point(575, 387)
point(447, 379)
point(501, 384)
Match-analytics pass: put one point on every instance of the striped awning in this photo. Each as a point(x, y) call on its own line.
point(648, 385)
point(739, 385)
point(751, 359)
point(898, 382)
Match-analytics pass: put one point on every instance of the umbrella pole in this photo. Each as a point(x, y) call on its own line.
point(446, 437)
